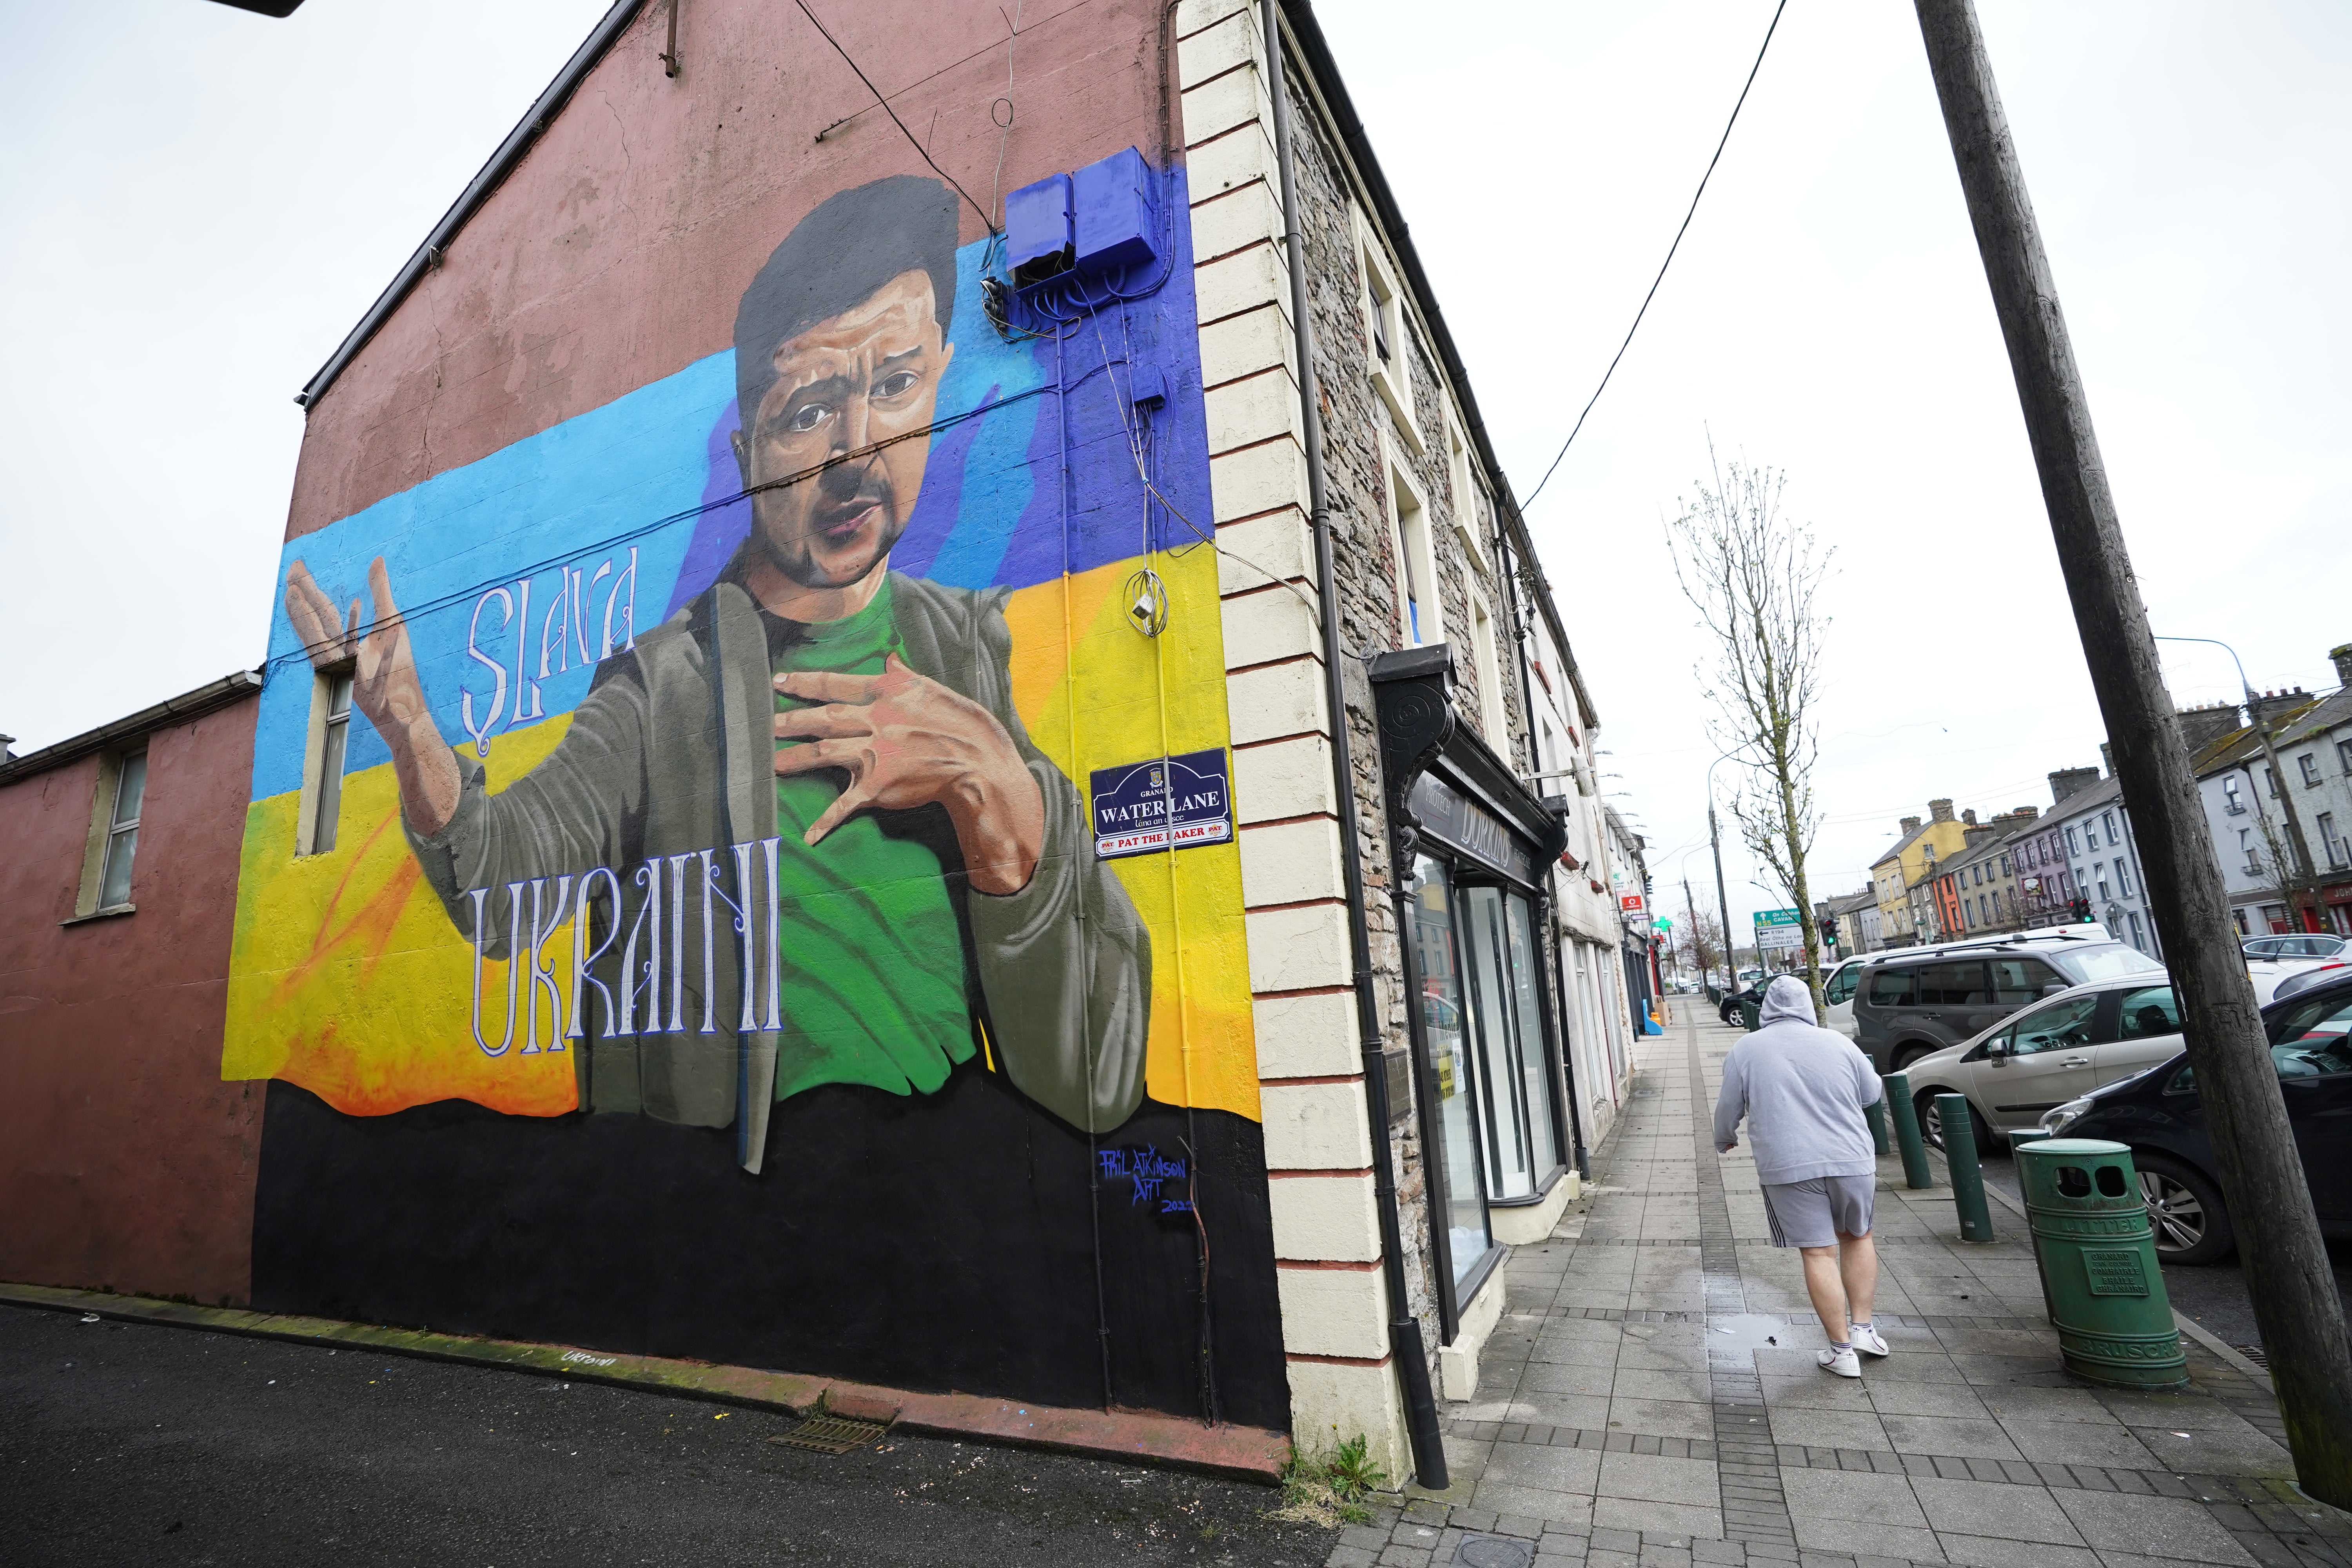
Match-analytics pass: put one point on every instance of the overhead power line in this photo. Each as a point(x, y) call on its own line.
point(1669, 261)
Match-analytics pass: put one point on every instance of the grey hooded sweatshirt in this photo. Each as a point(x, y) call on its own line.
point(1802, 1089)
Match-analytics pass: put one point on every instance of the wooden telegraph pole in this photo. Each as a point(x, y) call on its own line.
point(2287, 1269)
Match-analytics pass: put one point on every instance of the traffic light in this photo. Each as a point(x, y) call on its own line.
point(2081, 909)
point(1829, 930)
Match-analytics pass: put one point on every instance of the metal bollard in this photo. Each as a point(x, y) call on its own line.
point(1967, 1178)
point(1875, 1112)
point(1916, 1173)
point(2097, 1258)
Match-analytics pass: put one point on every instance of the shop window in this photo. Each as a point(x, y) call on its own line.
point(322, 773)
point(1517, 1115)
point(1445, 1033)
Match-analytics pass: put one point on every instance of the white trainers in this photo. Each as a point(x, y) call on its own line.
point(1868, 1340)
point(1844, 1363)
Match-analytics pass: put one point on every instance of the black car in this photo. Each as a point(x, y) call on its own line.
point(1729, 1009)
point(2158, 1114)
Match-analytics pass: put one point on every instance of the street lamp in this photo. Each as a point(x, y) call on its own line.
point(2297, 844)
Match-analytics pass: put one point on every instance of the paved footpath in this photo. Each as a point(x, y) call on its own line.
point(1651, 1400)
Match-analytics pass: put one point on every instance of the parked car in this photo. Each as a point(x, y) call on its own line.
point(2047, 1053)
point(1837, 992)
point(1920, 1001)
point(2158, 1114)
point(2318, 974)
point(1751, 992)
point(2307, 944)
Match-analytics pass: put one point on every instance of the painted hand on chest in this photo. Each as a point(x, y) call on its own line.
point(904, 741)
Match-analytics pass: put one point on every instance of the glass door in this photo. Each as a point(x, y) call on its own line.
point(1522, 1147)
point(1444, 1030)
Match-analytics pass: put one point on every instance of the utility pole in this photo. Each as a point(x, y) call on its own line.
point(1698, 937)
point(2287, 1269)
point(1722, 903)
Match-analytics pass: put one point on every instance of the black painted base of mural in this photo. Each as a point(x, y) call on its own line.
point(938, 1242)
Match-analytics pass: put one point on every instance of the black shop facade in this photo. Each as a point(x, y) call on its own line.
point(1472, 846)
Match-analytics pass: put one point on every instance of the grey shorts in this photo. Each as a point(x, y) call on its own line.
point(1810, 1214)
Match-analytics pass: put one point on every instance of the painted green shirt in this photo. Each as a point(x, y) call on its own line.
point(873, 970)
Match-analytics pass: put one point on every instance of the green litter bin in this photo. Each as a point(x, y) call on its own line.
point(2097, 1258)
point(1751, 1014)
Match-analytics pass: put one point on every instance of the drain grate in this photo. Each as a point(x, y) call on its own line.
point(831, 1434)
point(2256, 1355)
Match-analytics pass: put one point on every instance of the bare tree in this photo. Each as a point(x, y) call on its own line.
point(1699, 940)
point(1755, 579)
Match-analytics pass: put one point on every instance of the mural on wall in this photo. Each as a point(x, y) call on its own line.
point(783, 903)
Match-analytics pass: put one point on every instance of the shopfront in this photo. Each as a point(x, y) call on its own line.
point(1471, 846)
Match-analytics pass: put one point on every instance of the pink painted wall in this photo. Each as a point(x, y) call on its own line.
point(125, 1160)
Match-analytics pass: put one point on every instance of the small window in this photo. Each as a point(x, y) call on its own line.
point(2073, 845)
point(1420, 618)
point(2123, 877)
point(2062, 1026)
point(2335, 846)
point(122, 831)
point(2006, 870)
point(2309, 764)
point(2344, 755)
point(325, 793)
point(2232, 798)
point(1959, 985)
point(2147, 1014)
point(2270, 778)
point(2139, 938)
point(2107, 822)
point(2102, 869)
point(2017, 981)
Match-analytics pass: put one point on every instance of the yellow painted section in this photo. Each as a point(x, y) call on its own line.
point(346, 976)
point(1133, 697)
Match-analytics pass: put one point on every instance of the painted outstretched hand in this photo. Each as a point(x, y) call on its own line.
point(906, 740)
point(384, 686)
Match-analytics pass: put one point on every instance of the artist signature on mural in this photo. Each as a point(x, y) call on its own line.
point(1151, 1171)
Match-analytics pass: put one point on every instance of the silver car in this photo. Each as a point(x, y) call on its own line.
point(2059, 1050)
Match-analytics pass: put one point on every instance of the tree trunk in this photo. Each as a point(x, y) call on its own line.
point(2287, 1268)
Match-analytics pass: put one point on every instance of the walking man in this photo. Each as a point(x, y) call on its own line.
point(1802, 1089)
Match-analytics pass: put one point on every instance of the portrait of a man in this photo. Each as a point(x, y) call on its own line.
point(936, 899)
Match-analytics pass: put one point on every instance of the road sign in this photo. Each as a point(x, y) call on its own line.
point(1777, 930)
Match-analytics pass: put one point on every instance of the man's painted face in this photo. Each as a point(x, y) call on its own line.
point(848, 382)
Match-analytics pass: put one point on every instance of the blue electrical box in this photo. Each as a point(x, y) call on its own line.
point(1112, 214)
point(1037, 229)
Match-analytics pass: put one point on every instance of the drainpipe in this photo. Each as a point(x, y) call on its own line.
point(1405, 1333)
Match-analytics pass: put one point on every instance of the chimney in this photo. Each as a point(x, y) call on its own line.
point(1975, 834)
point(1969, 816)
point(2024, 813)
point(2273, 706)
point(2071, 781)
point(1939, 810)
point(1910, 824)
point(2201, 726)
point(2343, 658)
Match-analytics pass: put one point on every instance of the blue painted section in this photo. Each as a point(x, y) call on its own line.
point(1039, 478)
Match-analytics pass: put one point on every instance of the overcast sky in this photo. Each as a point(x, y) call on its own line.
point(197, 203)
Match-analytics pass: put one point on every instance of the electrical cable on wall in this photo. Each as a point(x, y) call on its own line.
point(1669, 261)
point(893, 113)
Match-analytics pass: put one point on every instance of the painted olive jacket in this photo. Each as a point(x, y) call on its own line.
point(672, 754)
